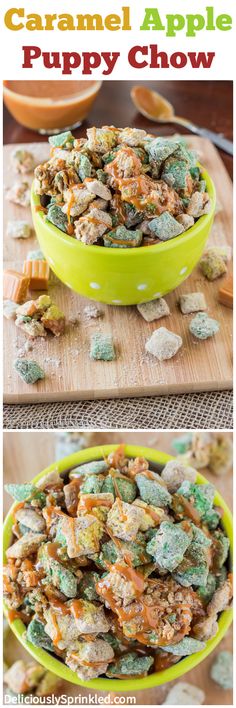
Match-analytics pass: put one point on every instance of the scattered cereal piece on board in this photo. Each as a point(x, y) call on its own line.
point(102, 347)
point(221, 455)
point(9, 309)
point(15, 286)
point(212, 265)
point(38, 273)
point(92, 312)
point(19, 193)
point(153, 310)
point(163, 344)
point(35, 256)
point(184, 694)
point(19, 229)
point(182, 444)
point(33, 328)
point(224, 251)
point(203, 326)
point(54, 320)
point(222, 669)
point(192, 302)
point(23, 160)
point(29, 371)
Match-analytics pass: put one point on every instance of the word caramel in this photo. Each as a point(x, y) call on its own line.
point(16, 19)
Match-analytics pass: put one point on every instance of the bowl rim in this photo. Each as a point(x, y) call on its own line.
point(38, 100)
point(184, 238)
point(154, 679)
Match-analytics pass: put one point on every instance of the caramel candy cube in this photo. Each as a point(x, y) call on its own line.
point(38, 273)
point(15, 286)
point(226, 292)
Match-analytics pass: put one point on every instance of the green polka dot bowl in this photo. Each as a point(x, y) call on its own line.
point(123, 276)
point(158, 460)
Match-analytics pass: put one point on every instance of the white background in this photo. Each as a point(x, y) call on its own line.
point(222, 43)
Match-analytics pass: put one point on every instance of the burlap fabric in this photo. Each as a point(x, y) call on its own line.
point(200, 410)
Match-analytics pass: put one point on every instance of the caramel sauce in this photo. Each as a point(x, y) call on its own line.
point(123, 516)
point(76, 608)
point(39, 207)
point(89, 503)
point(74, 485)
point(18, 506)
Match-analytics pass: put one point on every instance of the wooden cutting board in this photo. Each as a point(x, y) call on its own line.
point(69, 372)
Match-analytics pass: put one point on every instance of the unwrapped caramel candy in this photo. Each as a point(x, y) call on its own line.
point(38, 273)
point(226, 292)
point(15, 286)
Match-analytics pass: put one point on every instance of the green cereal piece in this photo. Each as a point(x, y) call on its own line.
point(61, 577)
point(126, 489)
point(35, 256)
point(85, 168)
point(221, 576)
point(29, 371)
point(221, 549)
point(202, 326)
point(101, 176)
point(92, 484)
point(175, 173)
point(56, 217)
point(152, 492)
point(193, 570)
point(129, 664)
point(222, 669)
point(165, 226)
point(185, 647)
point(199, 537)
point(206, 592)
point(203, 497)
point(20, 492)
point(160, 149)
point(93, 467)
point(195, 173)
point(61, 140)
point(123, 238)
point(102, 347)
point(136, 550)
point(168, 546)
point(36, 635)
point(182, 444)
point(87, 586)
point(114, 642)
point(132, 215)
point(202, 187)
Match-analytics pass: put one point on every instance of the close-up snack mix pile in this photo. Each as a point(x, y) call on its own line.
point(116, 569)
point(120, 187)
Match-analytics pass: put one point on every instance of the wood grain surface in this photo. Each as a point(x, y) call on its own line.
point(25, 455)
point(71, 375)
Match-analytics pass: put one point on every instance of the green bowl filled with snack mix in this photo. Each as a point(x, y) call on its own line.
point(117, 567)
point(122, 217)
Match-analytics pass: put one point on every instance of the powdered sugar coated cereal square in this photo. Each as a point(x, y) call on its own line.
point(153, 310)
point(163, 344)
point(192, 302)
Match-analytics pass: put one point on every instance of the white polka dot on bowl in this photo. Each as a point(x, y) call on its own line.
point(157, 295)
point(94, 286)
point(116, 302)
point(142, 286)
point(183, 270)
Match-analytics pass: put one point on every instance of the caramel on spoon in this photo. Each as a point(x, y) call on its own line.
point(156, 108)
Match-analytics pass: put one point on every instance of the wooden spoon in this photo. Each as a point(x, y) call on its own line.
point(156, 108)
